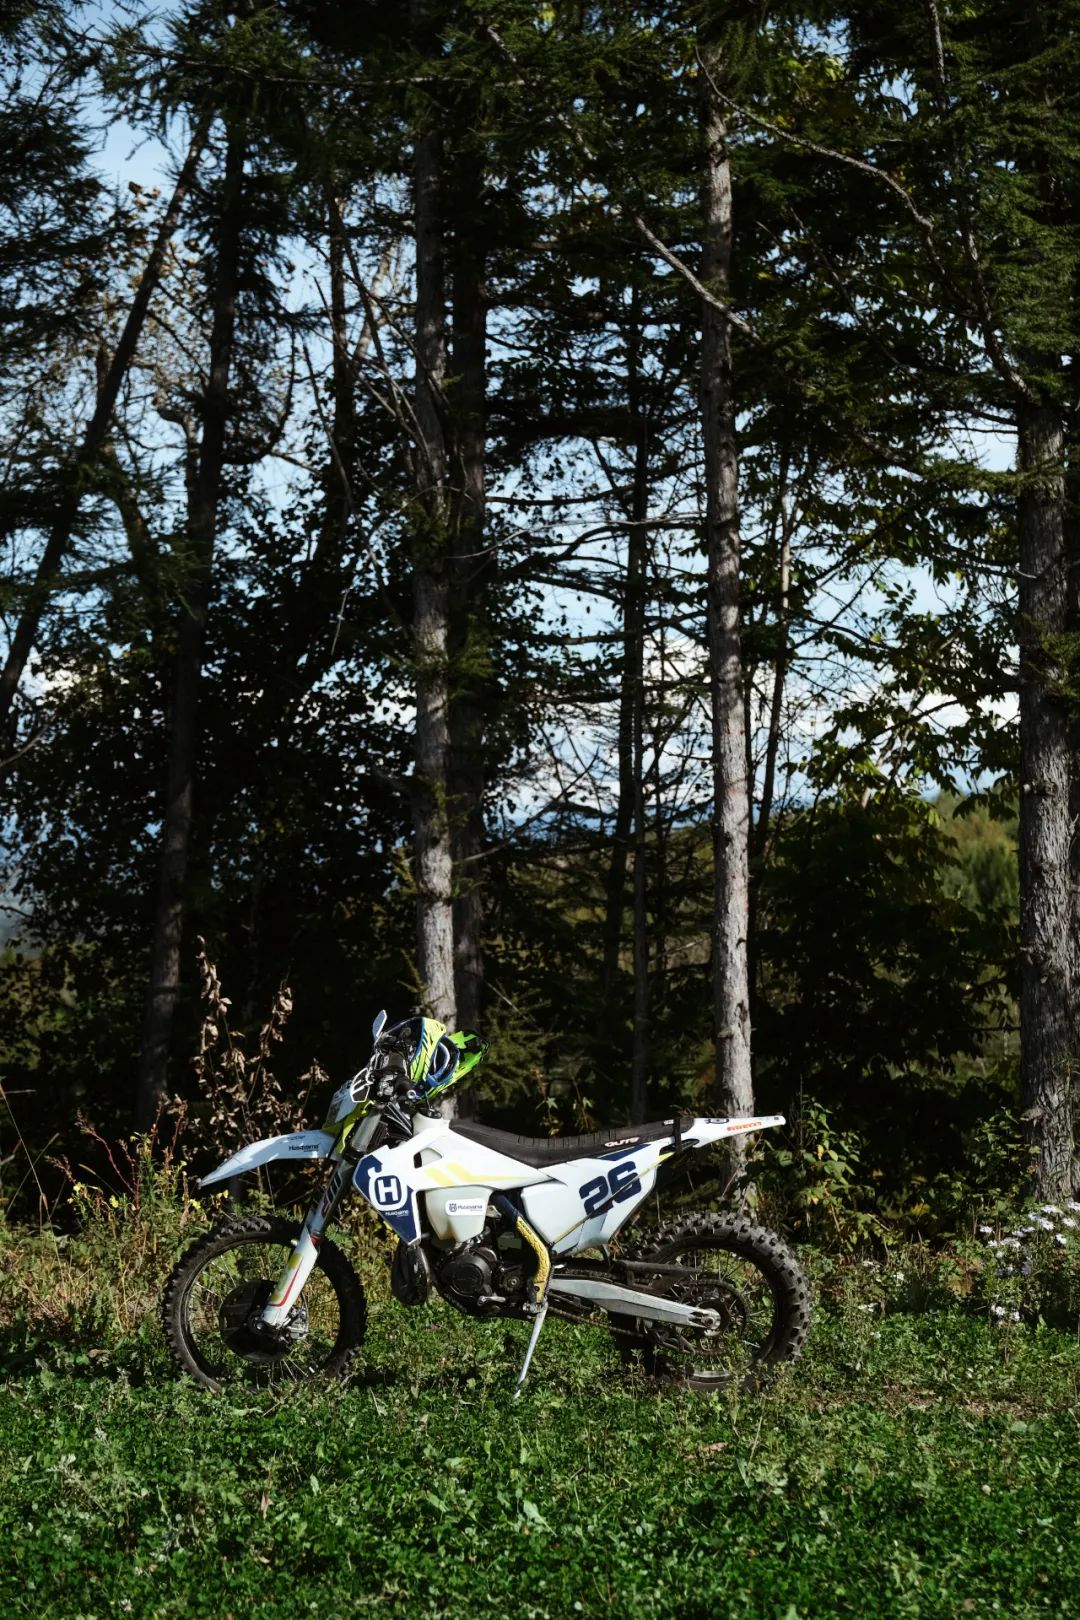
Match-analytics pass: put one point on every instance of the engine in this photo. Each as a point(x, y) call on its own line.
point(485, 1276)
point(467, 1278)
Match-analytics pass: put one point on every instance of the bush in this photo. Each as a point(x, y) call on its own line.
point(96, 1286)
point(1031, 1272)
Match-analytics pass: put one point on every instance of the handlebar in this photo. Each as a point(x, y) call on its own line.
point(389, 1070)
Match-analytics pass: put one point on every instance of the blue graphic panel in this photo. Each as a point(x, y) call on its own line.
point(389, 1196)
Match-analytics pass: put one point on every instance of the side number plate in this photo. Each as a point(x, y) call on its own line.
point(615, 1188)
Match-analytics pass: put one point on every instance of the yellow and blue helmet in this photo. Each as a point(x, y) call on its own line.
point(437, 1059)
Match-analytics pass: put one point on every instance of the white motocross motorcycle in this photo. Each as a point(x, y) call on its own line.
point(499, 1225)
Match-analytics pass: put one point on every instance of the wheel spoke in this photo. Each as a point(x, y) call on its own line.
point(743, 1274)
point(215, 1297)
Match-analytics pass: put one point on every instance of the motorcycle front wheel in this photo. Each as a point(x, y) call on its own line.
point(221, 1284)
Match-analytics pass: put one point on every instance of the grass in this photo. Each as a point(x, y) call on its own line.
point(915, 1464)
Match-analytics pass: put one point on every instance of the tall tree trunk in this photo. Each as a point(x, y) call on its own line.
point(630, 832)
point(783, 652)
point(310, 614)
point(1072, 558)
point(634, 623)
point(731, 799)
point(431, 585)
point(1048, 766)
point(1046, 1054)
point(204, 495)
point(472, 570)
point(314, 604)
point(615, 877)
point(75, 477)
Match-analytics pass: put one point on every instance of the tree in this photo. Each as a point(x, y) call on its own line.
point(81, 466)
point(204, 497)
point(731, 788)
point(985, 216)
point(53, 228)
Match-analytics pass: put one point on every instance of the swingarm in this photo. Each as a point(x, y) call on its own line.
point(633, 1302)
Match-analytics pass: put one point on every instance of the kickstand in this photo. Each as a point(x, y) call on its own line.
point(538, 1322)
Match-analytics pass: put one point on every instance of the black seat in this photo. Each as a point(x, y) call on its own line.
point(542, 1150)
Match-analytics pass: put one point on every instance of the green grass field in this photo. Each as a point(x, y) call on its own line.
point(913, 1465)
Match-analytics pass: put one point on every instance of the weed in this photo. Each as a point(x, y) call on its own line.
point(917, 1462)
point(1031, 1270)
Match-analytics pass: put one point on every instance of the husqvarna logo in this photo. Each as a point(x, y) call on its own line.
point(387, 1192)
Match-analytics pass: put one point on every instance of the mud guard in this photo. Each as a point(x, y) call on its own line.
point(298, 1146)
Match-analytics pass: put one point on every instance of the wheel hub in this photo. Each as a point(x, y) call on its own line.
point(717, 1295)
point(245, 1335)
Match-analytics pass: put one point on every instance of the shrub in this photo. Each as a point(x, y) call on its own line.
point(1031, 1272)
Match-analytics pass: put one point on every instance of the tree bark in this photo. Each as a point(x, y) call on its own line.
point(615, 880)
point(731, 799)
point(74, 479)
point(630, 831)
point(776, 703)
point(1072, 560)
point(431, 585)
point(472, 571)
point(203, 499)
point(637, 558)
point(1046, 768)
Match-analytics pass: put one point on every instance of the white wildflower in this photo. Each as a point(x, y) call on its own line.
point(997, 1310)
point(1014, 1316)
point(986, 1231)
point(1060, 1238)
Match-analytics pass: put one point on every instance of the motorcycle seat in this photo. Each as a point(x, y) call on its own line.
point(539, 1151)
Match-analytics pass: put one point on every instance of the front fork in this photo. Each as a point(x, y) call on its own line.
point(290, 1284)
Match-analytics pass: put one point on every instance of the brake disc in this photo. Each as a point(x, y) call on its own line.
point(239, 1312)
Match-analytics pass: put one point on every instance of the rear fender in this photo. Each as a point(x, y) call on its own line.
point(704, 1131)
point(297, 1146)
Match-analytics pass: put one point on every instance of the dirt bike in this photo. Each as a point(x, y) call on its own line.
point(499, 1225)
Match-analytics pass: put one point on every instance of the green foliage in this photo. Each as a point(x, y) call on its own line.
point(90, 1284)
point(808, 1181)
point(1030, 1270)
point(984, 874)
point(882, 981)
point(911, 1464)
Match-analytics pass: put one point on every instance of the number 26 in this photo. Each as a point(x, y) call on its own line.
point(622, 1183)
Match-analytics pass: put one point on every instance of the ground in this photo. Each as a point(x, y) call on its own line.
point(914, 1464)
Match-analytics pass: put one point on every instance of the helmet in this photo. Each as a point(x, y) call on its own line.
point(436, 1058)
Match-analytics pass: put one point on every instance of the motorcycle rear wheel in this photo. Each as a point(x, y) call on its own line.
point(220, 1284)
point(744, 1273)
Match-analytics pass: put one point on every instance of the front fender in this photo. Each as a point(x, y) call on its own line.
point(295, 1145)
